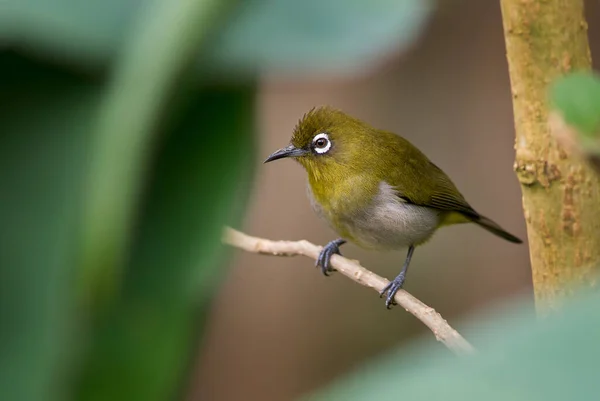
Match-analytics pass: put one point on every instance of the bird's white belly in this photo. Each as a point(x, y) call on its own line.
point(388, 222)
point(393, 225)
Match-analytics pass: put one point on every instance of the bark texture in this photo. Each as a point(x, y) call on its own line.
point(561, 193)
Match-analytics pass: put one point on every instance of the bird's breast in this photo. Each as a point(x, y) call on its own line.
point(376, 218)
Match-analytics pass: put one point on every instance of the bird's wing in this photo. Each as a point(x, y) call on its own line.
point(416, 178)
point(446, 196)
point(429, 186)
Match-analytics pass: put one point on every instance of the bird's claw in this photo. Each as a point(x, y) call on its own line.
point(391, 289)
point(323, 261)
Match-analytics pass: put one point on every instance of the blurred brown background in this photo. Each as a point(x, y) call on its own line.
point(279, 328)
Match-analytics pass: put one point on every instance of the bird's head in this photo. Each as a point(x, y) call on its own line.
point(326, 142)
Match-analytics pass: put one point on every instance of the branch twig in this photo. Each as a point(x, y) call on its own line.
point(441, 329)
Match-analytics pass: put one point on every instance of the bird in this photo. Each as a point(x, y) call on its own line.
point(375, 189)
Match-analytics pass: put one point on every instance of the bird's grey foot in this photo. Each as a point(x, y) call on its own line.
point(391, 289)
point(323, 261)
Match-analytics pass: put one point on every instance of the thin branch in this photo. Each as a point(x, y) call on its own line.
point(441, 329)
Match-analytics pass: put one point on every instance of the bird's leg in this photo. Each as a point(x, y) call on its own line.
point(326, 253)
point(392, 288)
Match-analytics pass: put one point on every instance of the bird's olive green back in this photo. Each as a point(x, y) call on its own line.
point(375, 155)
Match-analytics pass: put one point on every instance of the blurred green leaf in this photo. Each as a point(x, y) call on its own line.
point(149, 79)
point(519, 358)
point(320, 35)
point(576, 97)
point(200, 180)
point(264, 35)
point(46, 118)
point(195, 180)
point(168, 162)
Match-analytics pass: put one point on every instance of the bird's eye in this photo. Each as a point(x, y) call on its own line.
point(321, 143)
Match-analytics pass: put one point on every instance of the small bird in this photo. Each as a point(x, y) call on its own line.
point(374, 188)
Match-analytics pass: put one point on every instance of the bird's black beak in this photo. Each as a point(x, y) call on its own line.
point(288, 151)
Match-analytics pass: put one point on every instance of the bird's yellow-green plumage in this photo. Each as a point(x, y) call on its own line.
point(361, 157)
point(375, 188)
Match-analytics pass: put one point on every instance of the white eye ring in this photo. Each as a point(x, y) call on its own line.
point(325, 148)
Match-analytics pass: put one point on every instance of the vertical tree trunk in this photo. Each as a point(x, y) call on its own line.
point(561, 194)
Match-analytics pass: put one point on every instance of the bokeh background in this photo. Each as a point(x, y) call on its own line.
point(278, 328)
point(126, 131)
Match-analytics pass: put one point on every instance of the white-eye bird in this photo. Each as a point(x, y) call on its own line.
point(375, 188)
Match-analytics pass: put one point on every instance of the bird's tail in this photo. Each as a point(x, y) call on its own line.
point(495, 229)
